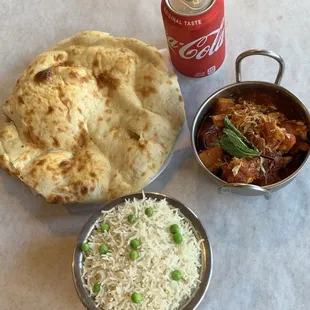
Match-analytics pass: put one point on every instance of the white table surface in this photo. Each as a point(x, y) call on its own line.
point(261, 249)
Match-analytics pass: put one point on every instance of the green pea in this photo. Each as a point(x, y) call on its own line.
point(176, 275)
point(131, 218)
point(85, 247)
point(149, 212)
point(136, 298)
point(177, 238)
point(96, 288)
point(104, 227)
point(135, 243)
point(174, 229)
point(134, 254)
point(104, 249)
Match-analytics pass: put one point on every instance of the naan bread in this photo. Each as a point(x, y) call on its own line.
point(92, 119)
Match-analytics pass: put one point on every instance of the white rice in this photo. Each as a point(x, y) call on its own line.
point(150, 274)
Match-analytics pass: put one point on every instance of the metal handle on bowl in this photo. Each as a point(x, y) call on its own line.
point(245, 189)
point(255, 52)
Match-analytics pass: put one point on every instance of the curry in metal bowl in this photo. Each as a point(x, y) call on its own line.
point(253, 137)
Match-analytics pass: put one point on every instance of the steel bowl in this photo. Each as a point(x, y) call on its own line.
point(237, 88)
point(200, 232)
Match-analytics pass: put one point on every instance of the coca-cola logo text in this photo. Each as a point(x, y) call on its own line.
point(201, 47)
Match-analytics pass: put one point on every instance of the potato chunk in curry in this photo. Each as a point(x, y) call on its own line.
point(224, 106)
point(212, 158)
point(240, 171)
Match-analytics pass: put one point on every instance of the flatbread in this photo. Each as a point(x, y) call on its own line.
point(91, 119)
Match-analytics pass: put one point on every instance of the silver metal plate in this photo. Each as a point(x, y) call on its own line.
point(199, 230)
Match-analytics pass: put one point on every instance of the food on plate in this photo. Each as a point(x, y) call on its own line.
point(104, 227)
point(85, 247)
point(91, 119)
point(136, 298)
point(104, 249)
point(176, 275)
point(134, 254)
point(143, 264)
point(252, 138)
point(96, 288)
point(149, 212)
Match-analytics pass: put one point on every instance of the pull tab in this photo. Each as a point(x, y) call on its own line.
point(195, 4)
point(190, 7)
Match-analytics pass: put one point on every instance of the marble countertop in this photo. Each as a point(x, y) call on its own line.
point(261, 250)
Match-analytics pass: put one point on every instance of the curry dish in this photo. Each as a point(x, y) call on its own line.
point(252, 138)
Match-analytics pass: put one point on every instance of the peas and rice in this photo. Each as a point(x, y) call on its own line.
point(143, 252)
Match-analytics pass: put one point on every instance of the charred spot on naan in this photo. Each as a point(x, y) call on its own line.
point(68, 63)
point(65, 165)
point(143, 143)
point(106, 79)
point(92, 174)
point(41, 162)
point(50, 110)
point(43, 76)
point(83, 138)
point(20, 100)
point(24, 157)
point(84, 190)
point(96, 63)
point(60, 199)
point(108, 102)
point(75, 75)
point(56, 142)
point(148, 78)
point(28, 114)
point(145, 91)
point(32, 138)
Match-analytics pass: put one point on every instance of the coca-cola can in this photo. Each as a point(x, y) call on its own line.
point(195, 31)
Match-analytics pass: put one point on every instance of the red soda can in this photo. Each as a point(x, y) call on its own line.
point(195, 31)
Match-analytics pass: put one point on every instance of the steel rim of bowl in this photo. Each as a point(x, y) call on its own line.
point(190, 216)
point(217, 94)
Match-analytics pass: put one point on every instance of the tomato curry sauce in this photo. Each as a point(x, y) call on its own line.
point(269, 123)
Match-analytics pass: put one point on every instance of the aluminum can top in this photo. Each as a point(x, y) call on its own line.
point(189, 7)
